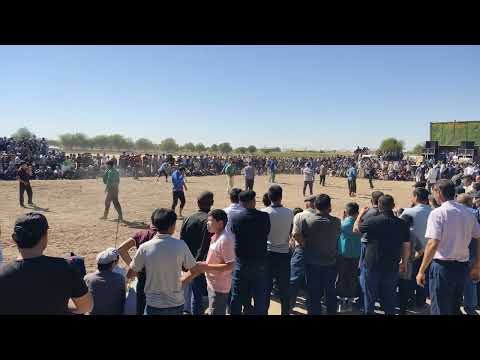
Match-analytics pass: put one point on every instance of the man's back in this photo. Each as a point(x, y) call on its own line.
point(281, 219)
point(251, 229)
point(195, 234)
point(419, 214)
point(41, 285)
point(108, 291)
point(163, 258)
point(232, 212)
point(320, 234)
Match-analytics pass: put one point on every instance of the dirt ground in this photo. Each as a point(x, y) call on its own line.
point(75, 206)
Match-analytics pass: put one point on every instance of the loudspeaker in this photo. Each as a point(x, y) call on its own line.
point(467, 144)
point(431, 144)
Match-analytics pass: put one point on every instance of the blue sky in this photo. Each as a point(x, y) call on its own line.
point(315, 97)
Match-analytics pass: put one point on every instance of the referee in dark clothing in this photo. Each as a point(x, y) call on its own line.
point(251, 229)
point(23, 176)
point(195, 234)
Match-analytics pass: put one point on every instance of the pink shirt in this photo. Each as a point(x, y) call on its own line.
point(454, 225)
point(221, 251)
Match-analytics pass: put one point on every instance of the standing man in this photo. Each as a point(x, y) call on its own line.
point(450, 229)
point(323, 174)
point(278, 257)
point(297, 264)
point(163, 171)
point(419, 213)
point(23, 176)
point(195, 233)
point(251, 229)
point(319, 235)
point(352, 180)
point(271, 170)
point(178, 183)
point(308, 178)
point(432, 177)
point(388, 241)
point(111, 179)
point(370, 173)
point(229, 171)
point(233, 211)
point(249, 173)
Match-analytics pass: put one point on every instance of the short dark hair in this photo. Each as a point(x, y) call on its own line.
point(205, 199)
point(352, 208)
point(376, 195)
point(297, 210)
point(386, 202)
point(266, 200)
point(323, 202)
point(446, 188)
point(421, 194)
point(275, 193)
point(234, 195)
point(246, 196)
point(110, 162)
point(103, 267)
point(420, 184)
point(219, 215)
point(29, 229)
point(163, 219)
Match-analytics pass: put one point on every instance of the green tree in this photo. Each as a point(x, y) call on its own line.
point(144, 144)
point(189, 147)
point(53, 142)
point(225, 148)
point(418, 149)
point(252, 149)
point(214, 148)
point(241, 150)
point(118, 141)
point(23, 133)
point(66, 140)
point(100, 142)
point(168, 145)
point(391, 144)
point(200, 147)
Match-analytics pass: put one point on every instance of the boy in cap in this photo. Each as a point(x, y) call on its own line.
point(106, 286)
point(35, 284)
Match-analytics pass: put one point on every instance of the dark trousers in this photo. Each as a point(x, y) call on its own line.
point(178, 195)
point(421, 293)
point(112, 196)
point(322, 180)
point(310, 185)
point(347, 281)
point(321, 279)
point(297, 273)
point(29, 191)
point(249, 280)
point(405, 292)
point(379, 285)
point(249, 184)
point(370, 181)
point(141, 301)
point(199, 290)
point(173, 311)
point(352, 186)
point(447, 281)
point(278, 267)
point(164, 173)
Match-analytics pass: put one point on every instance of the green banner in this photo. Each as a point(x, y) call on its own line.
point(453, 133)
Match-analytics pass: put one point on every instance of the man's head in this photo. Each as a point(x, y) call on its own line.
point(465, 199)
point(386, 203)
point(375, 196)
point(234, 195)
point(205, 200)
point(420, 196)
point(107, 259)
point(420, 184)
point(266, 200)
point(110, 163)
point(247, 199)
point(31, 231)
point(443, 190)
point(310, 202)
point(323, 203)
point(275, 194)
point(217, 220)
point(164, 220)
point(297, 210)
point(351, 209)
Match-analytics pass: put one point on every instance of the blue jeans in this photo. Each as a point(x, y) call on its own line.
point(321, 279)
point(447, 282)
point(380, 285)
point(297, 273)
point(249, 280)
point(187, 293)
point(470, 298)
point(149, 310)
point(199, 290)
point(278, 267)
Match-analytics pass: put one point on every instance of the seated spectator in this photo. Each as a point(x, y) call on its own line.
point(38, 284)
point(106, 286)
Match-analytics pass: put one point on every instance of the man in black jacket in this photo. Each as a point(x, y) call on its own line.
point(194, 232)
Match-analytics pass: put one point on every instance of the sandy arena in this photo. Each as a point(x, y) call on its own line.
point(75, 206)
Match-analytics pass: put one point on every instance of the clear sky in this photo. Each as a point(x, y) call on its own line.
point(315, 97)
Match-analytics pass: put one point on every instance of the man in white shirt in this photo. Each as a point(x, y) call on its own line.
point(450, 229)
point(432, 177)
point(278, 257)
point(469, 170)
point(308, 178)
point(232, 211)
